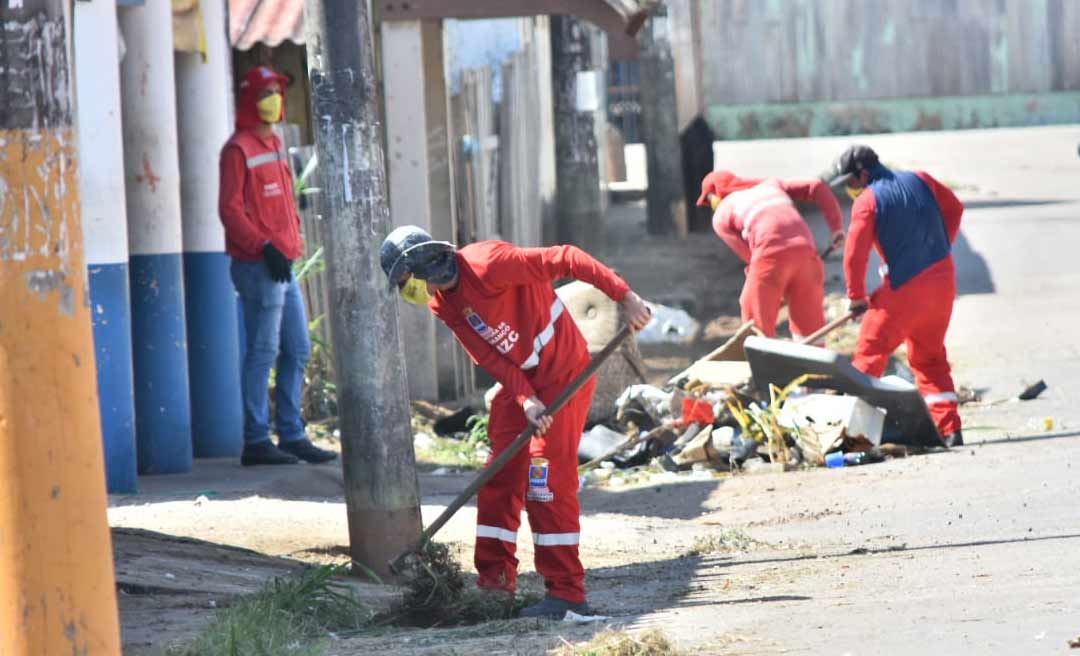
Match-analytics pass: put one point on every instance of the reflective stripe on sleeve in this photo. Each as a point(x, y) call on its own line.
point(942, 397)
point(556, 539)
point(496, 533)
point(545, 336)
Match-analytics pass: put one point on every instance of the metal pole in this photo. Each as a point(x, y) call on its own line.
point(381, 491)
point(57, 589)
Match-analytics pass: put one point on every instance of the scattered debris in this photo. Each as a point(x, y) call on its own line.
point(575, 618)
point(620, 643)
point(727, 541)
point(774, 362)
point(668, 325)
point(835, 421)
point(1032, 391)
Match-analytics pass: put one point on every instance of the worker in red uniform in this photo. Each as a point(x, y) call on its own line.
point(499, 301)
point(759, 221)
point(262, 238)
point(912, 220)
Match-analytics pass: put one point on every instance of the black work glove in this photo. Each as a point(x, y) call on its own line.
point(280, 267)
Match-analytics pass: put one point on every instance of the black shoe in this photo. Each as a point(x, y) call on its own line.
point(265, 453)
point(554, 608)
point(954, 439)
point(305, 450)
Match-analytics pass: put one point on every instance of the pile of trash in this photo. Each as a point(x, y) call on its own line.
point(702, 430)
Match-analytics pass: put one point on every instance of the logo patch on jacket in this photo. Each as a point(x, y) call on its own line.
point(503, 338)
point(538, 481)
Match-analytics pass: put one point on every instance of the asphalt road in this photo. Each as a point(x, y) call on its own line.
point(971, 552)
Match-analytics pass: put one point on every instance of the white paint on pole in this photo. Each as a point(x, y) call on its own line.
point(100, 129)
point(151, 163)
point(205, 120)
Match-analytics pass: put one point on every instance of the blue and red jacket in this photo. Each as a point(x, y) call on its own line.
point(910, 218)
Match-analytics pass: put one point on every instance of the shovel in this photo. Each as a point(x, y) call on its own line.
point(508, 454)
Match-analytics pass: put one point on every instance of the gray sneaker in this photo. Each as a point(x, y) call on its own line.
point(554, 608)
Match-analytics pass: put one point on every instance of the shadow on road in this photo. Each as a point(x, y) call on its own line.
point(972, 273)
point(665, 500)
point(1011, 202)
point(896, 548)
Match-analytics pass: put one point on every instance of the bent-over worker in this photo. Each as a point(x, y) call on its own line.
point(759, 221)
point(500, 303)
point(912, 220)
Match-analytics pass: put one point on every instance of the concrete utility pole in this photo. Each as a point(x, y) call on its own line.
point(578, 60)
point(666, 203)
point(380, 467)
point(57, 589)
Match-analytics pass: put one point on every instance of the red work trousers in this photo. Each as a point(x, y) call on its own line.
point(554, 514)
point(918, 313)
point(796, 276)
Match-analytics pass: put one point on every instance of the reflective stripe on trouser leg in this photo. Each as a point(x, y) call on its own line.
point(499, 501)
point(556, 523)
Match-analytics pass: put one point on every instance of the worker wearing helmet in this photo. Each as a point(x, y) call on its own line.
point(500, 303)
point(759, 221)
point(912, 220)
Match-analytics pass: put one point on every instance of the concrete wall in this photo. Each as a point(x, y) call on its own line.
point(816, 67)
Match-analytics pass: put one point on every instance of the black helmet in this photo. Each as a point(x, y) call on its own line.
point(411, 250)
point(851, 161)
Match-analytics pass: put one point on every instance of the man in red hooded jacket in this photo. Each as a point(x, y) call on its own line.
point(501, 305)
point(759, 221)
point(262, 236)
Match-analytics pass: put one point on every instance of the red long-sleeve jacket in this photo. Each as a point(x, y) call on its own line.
point(863, 234)
point(762, 220)
point(255, 199)
point(505, 312)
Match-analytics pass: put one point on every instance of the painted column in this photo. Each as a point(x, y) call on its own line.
point(101, 179)
point(204, 112)
point(418, 164)
point(57, 588)
point(158, 331)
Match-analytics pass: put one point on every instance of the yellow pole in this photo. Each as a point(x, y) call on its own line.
point(57, 588)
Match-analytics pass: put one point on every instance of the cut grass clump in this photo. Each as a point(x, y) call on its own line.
point(727, 541)
point(620, 643)
point(292, 615)
point(437, 594)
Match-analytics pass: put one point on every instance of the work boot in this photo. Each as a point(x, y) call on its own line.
point(954, 439)
point(265, 453)
point(554, 608)
point(305, 450)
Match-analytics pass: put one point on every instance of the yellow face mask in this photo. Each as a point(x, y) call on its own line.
point(270, 108)
point(714, 201)
point(853, 193)
point(415, 291)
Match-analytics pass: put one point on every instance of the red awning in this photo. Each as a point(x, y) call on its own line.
point(265, 21)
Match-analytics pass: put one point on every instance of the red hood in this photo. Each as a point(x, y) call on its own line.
point(254, 82)
point(722, 183)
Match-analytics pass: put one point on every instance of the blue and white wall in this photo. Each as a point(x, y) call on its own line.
point(205, 122)
point(152, 176)
point(104, 219)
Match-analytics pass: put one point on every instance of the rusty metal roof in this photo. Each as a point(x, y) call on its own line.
point(273, 21)
point(265, 21)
